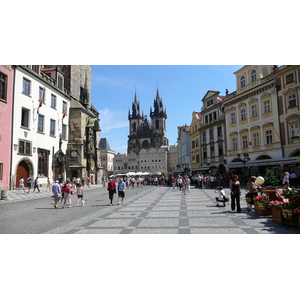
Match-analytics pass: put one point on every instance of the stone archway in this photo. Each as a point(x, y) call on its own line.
point(24, 169)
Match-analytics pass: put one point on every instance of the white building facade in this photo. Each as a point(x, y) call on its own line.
point(40, 124)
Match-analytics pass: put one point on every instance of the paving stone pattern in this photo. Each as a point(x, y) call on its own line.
point(162, 210)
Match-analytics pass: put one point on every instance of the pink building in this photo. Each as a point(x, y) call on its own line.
point(6, 105)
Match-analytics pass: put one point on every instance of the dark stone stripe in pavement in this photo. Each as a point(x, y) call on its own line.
point(126, 231)
point(72, 231)
point(184, 231)
point(135, 223)
point(89, 223)
point(143, 215)
point(183, 214)
point(183, 222)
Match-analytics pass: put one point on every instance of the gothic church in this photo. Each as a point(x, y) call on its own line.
point(145, 133)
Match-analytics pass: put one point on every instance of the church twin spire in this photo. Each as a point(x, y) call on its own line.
point(158, 107)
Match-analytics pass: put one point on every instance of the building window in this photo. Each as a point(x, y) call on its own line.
point(204, 153)
point(294, 130)
point(60, 82)
point(1, 171)
point(255, 139)
point(43, 162)
point(40, 123)
point(3, 87)
point(221, 151)
point(211, 134)
point(42, 94)
point(243, 114)
point(234, 144)
point(52, 127)
point(219, 131)
point(267, 108)
point(64, 132)
point(269, 139)
point(206, 119)
point(26, 86)
point(204, 136)
point(25, 118)
point(209, 102)
point(289, 78)
point(24, 147)
point(245, 141)
point(232, 116)
point(292, 100)
point(53, 101)
point(243, 81)
point(254, 111)
point(64, 107)
point(253, 75)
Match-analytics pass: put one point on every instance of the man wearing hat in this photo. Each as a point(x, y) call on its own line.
point(56, 192)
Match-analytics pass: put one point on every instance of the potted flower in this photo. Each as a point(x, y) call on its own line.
point(261, 204)
point(276, 206)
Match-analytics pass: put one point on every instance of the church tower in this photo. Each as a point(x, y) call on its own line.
point(144, 134)
point(158, 122)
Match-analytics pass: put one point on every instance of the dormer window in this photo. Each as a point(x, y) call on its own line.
point(243, 81)
point(253, 75)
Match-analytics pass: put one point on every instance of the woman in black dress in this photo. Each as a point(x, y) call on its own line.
point(235, 189)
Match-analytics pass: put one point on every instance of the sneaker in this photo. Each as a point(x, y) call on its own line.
point(118, 203)
point(110, 204)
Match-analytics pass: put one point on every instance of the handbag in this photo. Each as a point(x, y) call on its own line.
point(248, 197)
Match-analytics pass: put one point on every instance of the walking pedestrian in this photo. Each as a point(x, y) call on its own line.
point(36, 184)
point(111, 187)
point(21, 184)
point(29, 184)
point(67, 195)
point(56, 190)
point(252, 191)
point(121, 191)
point(235, 194)
point(80, 194)
point(48, 185)
point(89, 182)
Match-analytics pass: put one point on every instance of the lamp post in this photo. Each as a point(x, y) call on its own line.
point(244, 159)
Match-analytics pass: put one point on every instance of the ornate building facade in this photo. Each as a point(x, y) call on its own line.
point(83, 152)
point(144, 134)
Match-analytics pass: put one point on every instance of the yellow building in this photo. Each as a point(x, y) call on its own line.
point(252, 123)
point(288, 89)
point(195, 142)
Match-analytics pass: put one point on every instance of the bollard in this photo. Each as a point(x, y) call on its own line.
point(4, 194)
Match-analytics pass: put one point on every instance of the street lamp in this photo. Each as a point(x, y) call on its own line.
point(244, 159)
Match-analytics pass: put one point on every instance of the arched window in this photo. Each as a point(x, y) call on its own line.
point(145, 144)
point(134, 126)
point(253, 75)
point(157, 124)
point(243, 81)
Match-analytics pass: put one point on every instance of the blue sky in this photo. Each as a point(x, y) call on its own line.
point(181, 87)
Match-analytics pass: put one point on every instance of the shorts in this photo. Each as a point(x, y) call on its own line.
point(121, 194)
point(80, 196)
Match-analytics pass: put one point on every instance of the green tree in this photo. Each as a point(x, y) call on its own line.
point(270, 178)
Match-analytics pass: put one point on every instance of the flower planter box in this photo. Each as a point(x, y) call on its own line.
point(277, 215)
point(289, 217)
point(262, 209)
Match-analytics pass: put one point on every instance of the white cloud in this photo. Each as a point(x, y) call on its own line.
point(112, 120)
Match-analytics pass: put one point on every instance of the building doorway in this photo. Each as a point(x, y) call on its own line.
point(24, 169)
